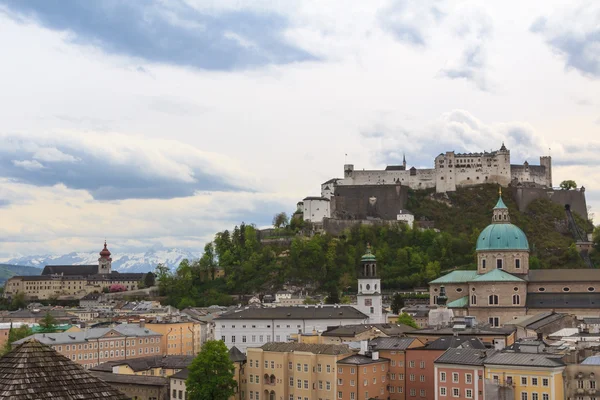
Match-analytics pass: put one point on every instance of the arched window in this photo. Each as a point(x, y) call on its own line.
point(493, 300)
point(473, 299)
point(516, 299)
point(273, 380)
point(435, 299)
point(483, 263)
point(272, 395)
point(517, 263)
point(266, 379)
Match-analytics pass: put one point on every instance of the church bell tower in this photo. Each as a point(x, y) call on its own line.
point(105, 261)
point(369, 288)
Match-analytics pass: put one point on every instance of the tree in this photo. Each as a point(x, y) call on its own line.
point(568, 185)
point(48, 324)
point(208, 262)
point(397, 303)
point(280, 220)
point(15, 334)
point(18, 301)
point(149, 279)
point(406, 319)
point(333, 297)
point(211, 373)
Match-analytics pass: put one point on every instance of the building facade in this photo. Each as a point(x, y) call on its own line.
point(369, 299)
point(459, 373)
point(179, 337)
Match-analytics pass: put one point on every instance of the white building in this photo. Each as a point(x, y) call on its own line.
point(369, 299)
point(407, 217)
point(282, 294)
point(315, 209)
point(252, 327)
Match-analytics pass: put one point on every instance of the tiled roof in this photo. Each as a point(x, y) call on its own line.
point(183, 374)
point(358, 359)
point(141, 380)
point(564, 275)
point(497, 275)
point(51, 339)
point(464, 356)
point(459, 303)
point(524, 359)
point(331, 349)
point(235, 355)
point(391, 343)
point(146, 363)
point(33, 371)
point(591, 321)
point(353, 330)
point(300, 312)
point(452, 342)
point(563, 300)
point(466, 332)
point(456, 277)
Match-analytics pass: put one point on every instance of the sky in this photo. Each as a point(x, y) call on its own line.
point(159, 123)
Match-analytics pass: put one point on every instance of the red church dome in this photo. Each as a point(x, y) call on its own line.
point(105, 252)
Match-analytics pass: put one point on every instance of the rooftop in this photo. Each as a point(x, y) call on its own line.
point(456, 277)
point(52, 339)
point(592, 360)
point(353, 330)
point(141, 380)
point(564, 275)
point(452, 342)
point(33, 371)
point(563, 300)
point(183, 374)
point(294, 312)
point(358, 359)
point(146, 363)
point(391, 343)
point(464, 356)
point(331, 349)
point(525, 359)
point(476, 331)
point(459, 303)
point(497, 275)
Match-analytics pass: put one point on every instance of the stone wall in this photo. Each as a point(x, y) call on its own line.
point(575, 198)
point(335, 227)
point(508, 261)
point(362, 202)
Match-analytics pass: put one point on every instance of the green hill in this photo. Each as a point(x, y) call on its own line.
point(8, 270)
point(406, 257)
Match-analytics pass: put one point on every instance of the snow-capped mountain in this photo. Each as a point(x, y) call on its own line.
point(123, 262)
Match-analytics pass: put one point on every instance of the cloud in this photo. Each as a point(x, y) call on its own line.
point(409, 20)
point(168, 32)
point(114, 166)
point(474, 29)
point(574, 34)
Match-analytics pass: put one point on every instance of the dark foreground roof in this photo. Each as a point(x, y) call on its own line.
point(183, 374)
point(452, 342)
point(358, 359)
point(33, 371)
point(141, 380)
point(146, 363)
point(331, 349)
point(301, 312)
point(391, 343)
point(235, 355)
point(563, 300)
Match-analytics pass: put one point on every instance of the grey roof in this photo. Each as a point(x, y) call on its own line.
point(128, 330)
point(331, 349)
point(91, 296)
point(355, 329)
point(538, 320)
point(33, 371)
point(524, 359)
point(591, 321)
point(563, 300)
point(358, 359)
point(391, 343)
point(451, 342)
point(183, 374)
point(83, 270)
point(468, 331)
point(300, 312)
point(564, 275)
point(141, 380)
point(146, 363)
point(57, 314)
point(316, 198)
point(235, 355)
point(465, 356)
point(592, 360)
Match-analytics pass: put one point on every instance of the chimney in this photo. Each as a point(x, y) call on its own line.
point(142, 323)
point(375, 355)
point(364, 347)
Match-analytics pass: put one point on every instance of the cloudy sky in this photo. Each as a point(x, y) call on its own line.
point(162, 122)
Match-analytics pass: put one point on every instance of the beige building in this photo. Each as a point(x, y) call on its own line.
point(503, 288)
point(179, 338)
point(77, 281)
point(582, 380)
point(98, 345)
point(293, 370)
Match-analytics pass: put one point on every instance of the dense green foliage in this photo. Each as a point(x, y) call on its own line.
point(568, 185)
point(406, 257)
point(211, 373)
point(406, 319)
point(15, 334)
point(48, 324)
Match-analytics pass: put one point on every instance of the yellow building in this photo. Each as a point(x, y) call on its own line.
point(179, 338)
point(524, 376)
point(284, 370)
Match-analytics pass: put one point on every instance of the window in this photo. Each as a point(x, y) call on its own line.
point(455, 377)
point(422, 378)
point(328, 368)
point(592, 384)
point(542, 289)
point(545, 396)
point(494, 321)
point(351, 382)
point(591, 289)
point(340, 395)
point(340, 381)
point(534, 381)
point(442, 391)
point(455, 392)
point(524, 380)
point(299, 381)
point(545, 382)
point(232, 339)
point(534, 396)
point(318, 367)
point(272, 364)
point(499, 263)
point(244, 339)
point(291, 381)
point(442, 377)
point(523, 395)
point(468, 378)
point(413, 392)
point(422, 392)
point(422, 364)
point(517, 263)
point(299, 367)
point(580, 385)
point(352, 370)
point(566, 289)
point(469, 393)
point(493, 300)
point(412, 377)
point(306, 384)
point(473, 299)
point(305, 367)
point(290, 365)
point(516, 299)
point(483, 263)
point(401, 377)
point(411, 364)
point(328, 385)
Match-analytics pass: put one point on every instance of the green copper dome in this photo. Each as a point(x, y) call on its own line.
point(502, 237)
point(368, 256)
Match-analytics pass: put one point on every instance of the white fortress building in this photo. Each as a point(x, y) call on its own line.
point(451, 170)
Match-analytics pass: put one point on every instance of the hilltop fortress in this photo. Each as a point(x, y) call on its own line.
point(382, 194)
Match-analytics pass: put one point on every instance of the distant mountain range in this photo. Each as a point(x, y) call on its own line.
point(9, 270)
point(123, 262)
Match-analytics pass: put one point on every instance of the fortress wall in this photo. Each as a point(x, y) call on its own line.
point(335, 227)
point(532, 174)
point(576, 198)
point(368, 201)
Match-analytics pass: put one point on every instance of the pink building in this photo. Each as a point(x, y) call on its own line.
point(459, 374)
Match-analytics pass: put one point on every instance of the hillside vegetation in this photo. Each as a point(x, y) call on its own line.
point(8, 270)
point(406, 257)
